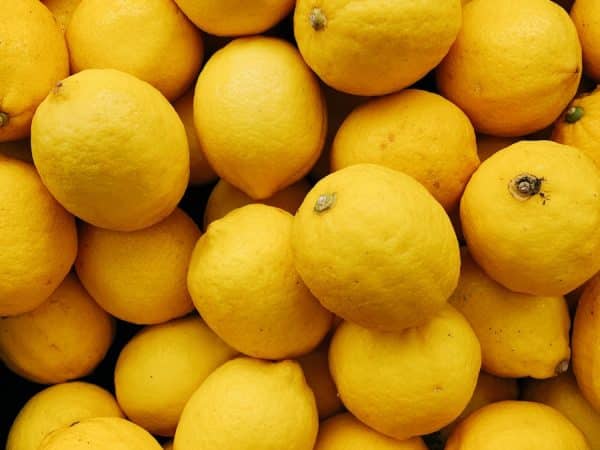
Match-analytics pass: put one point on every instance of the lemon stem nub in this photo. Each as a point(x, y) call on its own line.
point(324, 202)
point(562, 367)
point(525, 186)
point(317, 19)
point(3, 119)
point(574, 113)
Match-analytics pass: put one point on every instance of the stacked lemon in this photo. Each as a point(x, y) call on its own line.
point(311, 224)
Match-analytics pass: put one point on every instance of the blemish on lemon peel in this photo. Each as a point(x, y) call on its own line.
point(318, 19)
point(4, 118)
point(524, 186)
point(325, 202)
point(574, 113)
point(56, 88)
point(562, 366)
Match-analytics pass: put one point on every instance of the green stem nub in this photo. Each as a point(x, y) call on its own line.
point(325, 202)
point(525, 186)
point(3, 119)
point(317, 19)
point(574, 113)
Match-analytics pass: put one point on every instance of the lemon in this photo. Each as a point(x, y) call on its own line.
point(34, 58)
point(562, 394)
point(161, 367)
point(521, 335)
point(200, 170)
point(235, 17)
point(243, 282)
point(119, 159)
point(38, 239)
point(254, 405)
point(408, 383)
point(372, 47)
point(273, 136)
point(531, 217)
point(514, 66)
point(577, 125)
point(225, 198)
point(516, 425)
point(344, 432)
point(100, 434)
point(139, 276)
point(64, 338)
point(416, 132)
point(150, 39)
point(586, 17)
point(315, 366)
point(56, 407)
point(586, 354)
point(375, 247)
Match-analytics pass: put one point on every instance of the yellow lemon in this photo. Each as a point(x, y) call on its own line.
point(514, 66)
point(150, 39)
point(531, 217)
point(586, 333)
point(586, 17)
point(225, 198)
point(521, 335)
point(38, 239)
point(562, 394)
point(516, 425)
point(254, 405)
point(34, 58)
point(577, 126)
point(243, 282)
point(101, 433)
point(372, 47)
point(375, 247)
point(56, 407)
point(407, 383)
point(273, 136)
point(200, 170)
point(416, 132)
point(139, 276)
point(62, 10)
point(489, 389)
point(235, 17)
point(119, 158)
point(161, 367)
point(64, 338)
point(315, 366)
point(344, 432)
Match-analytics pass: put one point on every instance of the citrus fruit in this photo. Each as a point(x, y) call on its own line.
point(159, 369)
point(56, 407)
point(34, 58)
point(38, 239)
point(139, 276)
point(243, 282)
point(150, 39)
point(374, 48)
point(416, 132)
point(514, 67)
point(64, 338)
point(254, 405)
point(586, 17)
point(531, 217)
point(119, 159)
point(273, 136)
point(407, 383)
point(375, 247)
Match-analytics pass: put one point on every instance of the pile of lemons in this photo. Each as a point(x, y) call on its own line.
point(401, 241)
